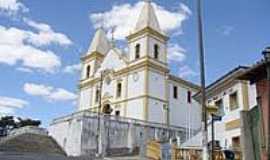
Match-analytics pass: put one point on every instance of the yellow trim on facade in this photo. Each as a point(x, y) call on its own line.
point(92, 56)
point(145, 31)
point(144, 65)
point(234, 124)
point(146, 90)
point(245, 94)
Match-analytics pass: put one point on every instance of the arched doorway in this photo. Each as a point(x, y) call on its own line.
point(107, 109)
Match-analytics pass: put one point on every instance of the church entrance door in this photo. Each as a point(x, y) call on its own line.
point(107, 109)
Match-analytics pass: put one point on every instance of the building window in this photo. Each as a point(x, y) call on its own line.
point(234, 101)
point(175, 92)
point(236, 142)
point(88, 70)
point(156, 51)
point(117, 113)
point(137, 51)
point(119, 89)
point(97, 95)
point(220, 107)
point(189, 94)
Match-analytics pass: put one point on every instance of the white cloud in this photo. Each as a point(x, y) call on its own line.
point(24, 69)
point(72, 68)
point(46, 35)
point(11, 7)
point(15, 50)
point(37, 89)
point(60, 94)
point(123, 17)
point(48, 92)
point(9, 105)
point(226, 30)
point(176, 53)
point(185, 72)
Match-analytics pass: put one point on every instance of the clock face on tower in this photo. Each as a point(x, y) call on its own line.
point(135, 76)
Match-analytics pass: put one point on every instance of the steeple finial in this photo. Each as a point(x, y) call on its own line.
point(99, 43)
point(147, 18)
point(113, 40)
point(147, 1)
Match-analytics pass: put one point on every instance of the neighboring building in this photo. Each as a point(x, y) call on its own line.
point(136, 85)
point(256, 123)
point(230, 96)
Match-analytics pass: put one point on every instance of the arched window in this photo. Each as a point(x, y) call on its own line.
point(88, 70)
point(156, 51)
point(137, 51)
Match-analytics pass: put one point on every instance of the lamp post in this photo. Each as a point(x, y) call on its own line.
point(266, 54)
point(202, 74)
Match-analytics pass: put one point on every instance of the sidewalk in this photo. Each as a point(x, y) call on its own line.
point(123, 158)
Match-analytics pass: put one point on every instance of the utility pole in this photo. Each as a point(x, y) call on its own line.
point(99, 132)
point(103, 73)
point(202, 74)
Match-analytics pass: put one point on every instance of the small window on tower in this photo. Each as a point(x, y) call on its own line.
point(175, 92)
point(119, 89)
point(117, 113)
point(189, 96)
point(156, 51)
point(97, 95)
point(137, 51)
point(88, 70)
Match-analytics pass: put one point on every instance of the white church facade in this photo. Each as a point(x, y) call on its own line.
point(137, 84)
point(136, 89)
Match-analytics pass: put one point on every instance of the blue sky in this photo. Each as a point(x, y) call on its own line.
point(42, 41)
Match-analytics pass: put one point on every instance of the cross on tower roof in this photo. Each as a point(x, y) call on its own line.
point(147, 1)
point(112, 32)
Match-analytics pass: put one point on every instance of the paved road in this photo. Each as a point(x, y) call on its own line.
point(123, 158)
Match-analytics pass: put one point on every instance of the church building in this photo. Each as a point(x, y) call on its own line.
point(137, 84)
point(135, 90)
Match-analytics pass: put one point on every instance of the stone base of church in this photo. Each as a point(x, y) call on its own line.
point(77, 133)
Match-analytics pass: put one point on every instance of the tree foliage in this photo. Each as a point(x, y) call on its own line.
point(8, 123)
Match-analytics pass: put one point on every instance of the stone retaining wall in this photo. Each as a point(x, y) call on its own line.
point(78, 133)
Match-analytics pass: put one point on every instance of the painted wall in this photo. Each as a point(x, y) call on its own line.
point(181, 112)
point(136, 83)
point(156, 111)
point(157, 85)
point(85, 98)
point(135, 109)
point(68, 135)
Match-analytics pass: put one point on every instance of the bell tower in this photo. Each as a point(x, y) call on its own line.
point(99, 47)
point(147, 40)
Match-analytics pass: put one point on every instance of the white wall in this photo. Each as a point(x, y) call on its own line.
point(157, 85)
point(136, 88)
point(252, 95)
point(181, 112)
point(135, 109)
point(68, 136)
point(85, 98)
point(156, 113)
